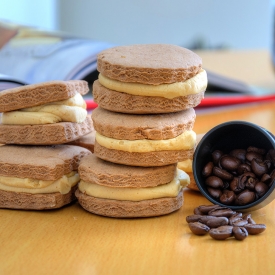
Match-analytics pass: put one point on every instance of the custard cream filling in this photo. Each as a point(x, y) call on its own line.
point(170, 189)
point(69, 110)
point(33, 186)
point(194, 85)
point(186, 165)
point(184, 141)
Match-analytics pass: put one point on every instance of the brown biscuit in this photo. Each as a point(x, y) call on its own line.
point(130, 209)
point(156, 158)
point(192, 185)
point(41, 93)
point(135, 104)
point(134, 127)
point(87, 141)
point(40, 162)
point(25, 201)
point(46, 134)
point(149, 63)
point(95, 170)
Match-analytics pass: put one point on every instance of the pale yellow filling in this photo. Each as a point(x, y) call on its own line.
point(33, 186)
point(194, 85)
point(186, 165)
point(185, 141)
point(170, 189)
point(69, 110)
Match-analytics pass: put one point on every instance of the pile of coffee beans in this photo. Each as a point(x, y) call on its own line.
point(222, 223)
point(241, 176)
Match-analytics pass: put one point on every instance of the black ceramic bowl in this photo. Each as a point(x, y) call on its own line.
point(226, 137)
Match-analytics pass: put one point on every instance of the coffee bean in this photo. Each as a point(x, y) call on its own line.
point(222, 232)
point(257, 150)
point(204, 209)
point(254, 229)
point(245, 197)
point(240, 222)
point(259, 167)
point(238, 153)
point(243, 168)
point(261, 188)
point(193, 218)
point(216, 155)
point(214, 192)
point(228, 197)
point(249, 219)
point(240, 233)
point(221, 173)
point(229, 163)
point(198, 228)
point(234, 218)
point(214, 182)
point(215, 222)
point(221, 212)
point(253, 155)
point(207, 170)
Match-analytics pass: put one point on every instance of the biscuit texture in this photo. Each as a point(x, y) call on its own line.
point(46, 134)
point(134, 104)
point(40, 162)
point(135, 127)
point(129, 209)
point(192, 185)
point(24, 201)
point(95, 170)
point(41, 93)
point(149, 63)
point(156, 158)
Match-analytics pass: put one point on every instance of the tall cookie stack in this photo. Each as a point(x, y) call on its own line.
point(146, 95)
point(37, 169)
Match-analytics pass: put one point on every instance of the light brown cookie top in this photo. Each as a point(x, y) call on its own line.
point(95, 170)
point(40, 162)
point(149, 63)
point(150, 126)
point(41, 93)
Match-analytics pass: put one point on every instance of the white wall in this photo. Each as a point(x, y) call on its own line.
point(37, 13)
point(238, 24)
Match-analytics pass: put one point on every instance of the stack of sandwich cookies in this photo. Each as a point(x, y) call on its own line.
point(37, 169)
point(146, 95)
point(46, 113)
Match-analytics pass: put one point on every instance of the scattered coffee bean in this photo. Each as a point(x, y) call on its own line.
point(198, 228)
point(241, 176)
point(254, 229)
point(222, 223)
point(221, 233)
point(240, 233)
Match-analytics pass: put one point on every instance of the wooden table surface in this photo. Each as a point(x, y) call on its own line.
point(73, 241)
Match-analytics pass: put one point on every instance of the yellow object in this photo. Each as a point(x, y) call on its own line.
point(136, 194)
point(193, 85)
point(186, 165)
point(32, 186)
point(185, 141)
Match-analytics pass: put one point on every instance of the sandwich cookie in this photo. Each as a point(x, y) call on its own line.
point(39, 177)
point(149, 78)
point(121, 191)
point(144, 140)
point(47, 113)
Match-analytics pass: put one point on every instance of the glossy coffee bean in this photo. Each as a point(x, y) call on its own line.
point(249, 218)
point(193, 218)
point(234, 218)
point(214, 192)
point(198, 228)
point(204, 209)
point(254, 229)
point(207, 170)
point(253, 155)
point(229, 163)
point(216, 155)
point(257, 150)
point(261, 188)
point(240, 233)
point(222, 174)
point(245, 197)
point(239, 154)
point(214, 182)
point(259, 167)
point(221, 212)
point(243, 168)
point(228, 197)
point(222, 232)
point(215, 222)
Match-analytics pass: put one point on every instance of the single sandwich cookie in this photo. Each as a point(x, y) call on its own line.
point(120, 191)
point(152, 78)
point(144, 140)
point(48, 113)
point(39, 177)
